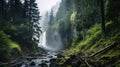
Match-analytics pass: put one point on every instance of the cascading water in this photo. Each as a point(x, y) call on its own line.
point(50, 39)
point(43, 40)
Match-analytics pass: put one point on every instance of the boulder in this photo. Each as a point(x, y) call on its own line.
point(52, 60)
point(59, 56)
point(50, 56)
point(32, 63)
point(73, 61)
point(43, 65)
point(53, 65)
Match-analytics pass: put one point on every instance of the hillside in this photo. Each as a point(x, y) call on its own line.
point(72, 33)
point(90, 32)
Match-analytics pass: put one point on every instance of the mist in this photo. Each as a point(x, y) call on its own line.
point(50, 38)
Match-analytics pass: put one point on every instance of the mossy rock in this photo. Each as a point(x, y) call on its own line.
point(32, 63)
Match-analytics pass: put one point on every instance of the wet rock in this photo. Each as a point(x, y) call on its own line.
point(42, 61)
point(53, 65)
point(73, 61)
point(18, 65)
point(50, 56)
point(52, 60)
point(28, 59)
point(43, 65)
point(45, 61)
point(59, 56)
point(32, 63)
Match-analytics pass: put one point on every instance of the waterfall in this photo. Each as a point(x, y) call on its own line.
point(43, 40)
point(50, 39)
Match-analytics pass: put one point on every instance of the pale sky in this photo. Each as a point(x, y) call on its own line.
point(45, 5)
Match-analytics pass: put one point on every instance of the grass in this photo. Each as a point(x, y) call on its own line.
point(94, 41)
point(92, 33)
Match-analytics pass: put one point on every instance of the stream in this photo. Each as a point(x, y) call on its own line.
point(50, 40)
point(41, 61)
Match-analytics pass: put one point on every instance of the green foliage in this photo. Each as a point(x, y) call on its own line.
point(92, 35)
point(21, 22)
point(4, 46)
point(113, 11)
point(73, 17)
point(95, 42)
point(84, 17)
point(62, 21)
point(15, 45)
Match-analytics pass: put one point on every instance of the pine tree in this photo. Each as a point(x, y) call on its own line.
point(113, 10)
point(15, 11)
point(32, 14)
point(102, 17)
point(2, 10)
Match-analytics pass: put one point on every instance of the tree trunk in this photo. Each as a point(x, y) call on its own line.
point(102, 17)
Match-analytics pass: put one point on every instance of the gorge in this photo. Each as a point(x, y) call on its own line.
point(59, 33)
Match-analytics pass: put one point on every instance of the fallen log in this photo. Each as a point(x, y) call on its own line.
point(105, 49)
point(83, 60)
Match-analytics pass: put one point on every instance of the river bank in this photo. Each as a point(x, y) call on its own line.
point(33, 60)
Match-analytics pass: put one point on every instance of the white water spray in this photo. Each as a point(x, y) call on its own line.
point(43, 40)
point(47, 40)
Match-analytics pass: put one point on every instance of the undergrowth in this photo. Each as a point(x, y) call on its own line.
point(6, 46)
point(95, 41)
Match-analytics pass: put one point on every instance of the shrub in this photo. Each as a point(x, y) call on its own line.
point(4, 46)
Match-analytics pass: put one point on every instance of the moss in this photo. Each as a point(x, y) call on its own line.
point(6, 46)
point(90, 39)
point(94, 42)
point(73, 17)
point(15, 45)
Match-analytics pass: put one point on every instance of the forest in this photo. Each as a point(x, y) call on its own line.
point(81, 33)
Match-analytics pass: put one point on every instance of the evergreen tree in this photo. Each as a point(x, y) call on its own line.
point(102, 16)
point(2, 10)
point(32, 15)
point(15, 11)
point(113, 10)
point(51, 18)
